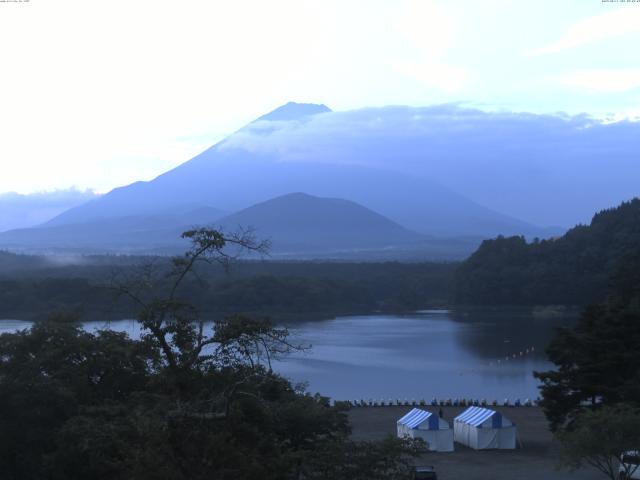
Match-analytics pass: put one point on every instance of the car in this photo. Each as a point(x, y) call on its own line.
point(424, 472)
point(630, 467)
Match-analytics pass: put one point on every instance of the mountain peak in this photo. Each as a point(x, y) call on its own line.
point(294, 111)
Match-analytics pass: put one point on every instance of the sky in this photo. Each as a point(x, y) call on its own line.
point(97, 94)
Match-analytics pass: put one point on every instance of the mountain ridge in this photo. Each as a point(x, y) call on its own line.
point(574, 268)
point(305, 222)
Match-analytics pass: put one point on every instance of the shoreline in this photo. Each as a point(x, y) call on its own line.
point(537, 455)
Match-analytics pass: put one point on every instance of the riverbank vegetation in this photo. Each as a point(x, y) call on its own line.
point(31, 286)
point(176, 404)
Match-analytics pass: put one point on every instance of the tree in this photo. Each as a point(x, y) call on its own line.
point(48, 374)
point(569, 270)
point(598, 362)
point(592, 399)
point(389, 459)
point(602, 438)
point(189, 400)
point(172, 325)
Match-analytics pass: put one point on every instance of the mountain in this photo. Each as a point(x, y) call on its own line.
point(298, 226)
point(304, 223)
point(573, 269)
point(233, 175)
point(546, 169)
point(232, 180)
point(240, 171)
point(294, 111)
point(142, 233)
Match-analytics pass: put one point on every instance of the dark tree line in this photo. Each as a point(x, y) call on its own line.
point(284, 290)
point(592, 397)
point(573, 269)
point(178, 403)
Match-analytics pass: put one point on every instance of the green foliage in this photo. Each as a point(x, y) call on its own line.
point(177, 404)
point(598, 361)
point(48, 374)
point(389, 459)
point(284, 290)
point(592, 398)
point(601, 438)
point(571, 270)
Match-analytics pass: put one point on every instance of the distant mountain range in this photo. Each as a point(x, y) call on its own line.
point(248, 182)
point(297, 225)
point(304, 226)
point(140, 233)
point(299, 222)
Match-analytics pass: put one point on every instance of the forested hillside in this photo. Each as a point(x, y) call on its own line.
point(31, 287)
point(572, 269)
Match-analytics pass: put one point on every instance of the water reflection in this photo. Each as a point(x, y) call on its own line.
point(461, 353)
point(431, 353)
point(499, 333)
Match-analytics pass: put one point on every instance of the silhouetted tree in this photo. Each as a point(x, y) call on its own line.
point(602, 438)
point(187, 401)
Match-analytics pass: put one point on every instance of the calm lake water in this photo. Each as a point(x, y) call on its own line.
point(436, 353)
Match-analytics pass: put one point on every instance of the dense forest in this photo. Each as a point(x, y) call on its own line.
point(573, 269)
point(570, 270)
point(32, 286)
point(175, 404)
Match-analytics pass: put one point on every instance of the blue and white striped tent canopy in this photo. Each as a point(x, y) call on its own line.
point(417, 417)
point(476, 416)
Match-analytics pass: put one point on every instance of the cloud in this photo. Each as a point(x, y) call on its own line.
point(20, 211)
point(601, 80)
point(616, 23)
point(545, 169)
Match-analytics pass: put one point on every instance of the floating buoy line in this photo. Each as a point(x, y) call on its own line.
point(435, 402)
point(457, 402)
point(513, 356)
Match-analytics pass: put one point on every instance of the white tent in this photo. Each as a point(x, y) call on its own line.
point(429, 427)
point(481, 428)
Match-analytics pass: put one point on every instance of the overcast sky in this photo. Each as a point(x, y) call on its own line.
point(97, 94)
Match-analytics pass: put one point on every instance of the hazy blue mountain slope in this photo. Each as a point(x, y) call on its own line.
point(547, 169)
point(232, 178)
point(132, 233)
point(294, 111)
point(299, 226)
point(304, 222)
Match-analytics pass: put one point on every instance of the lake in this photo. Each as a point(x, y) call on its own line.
point(473, 353)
